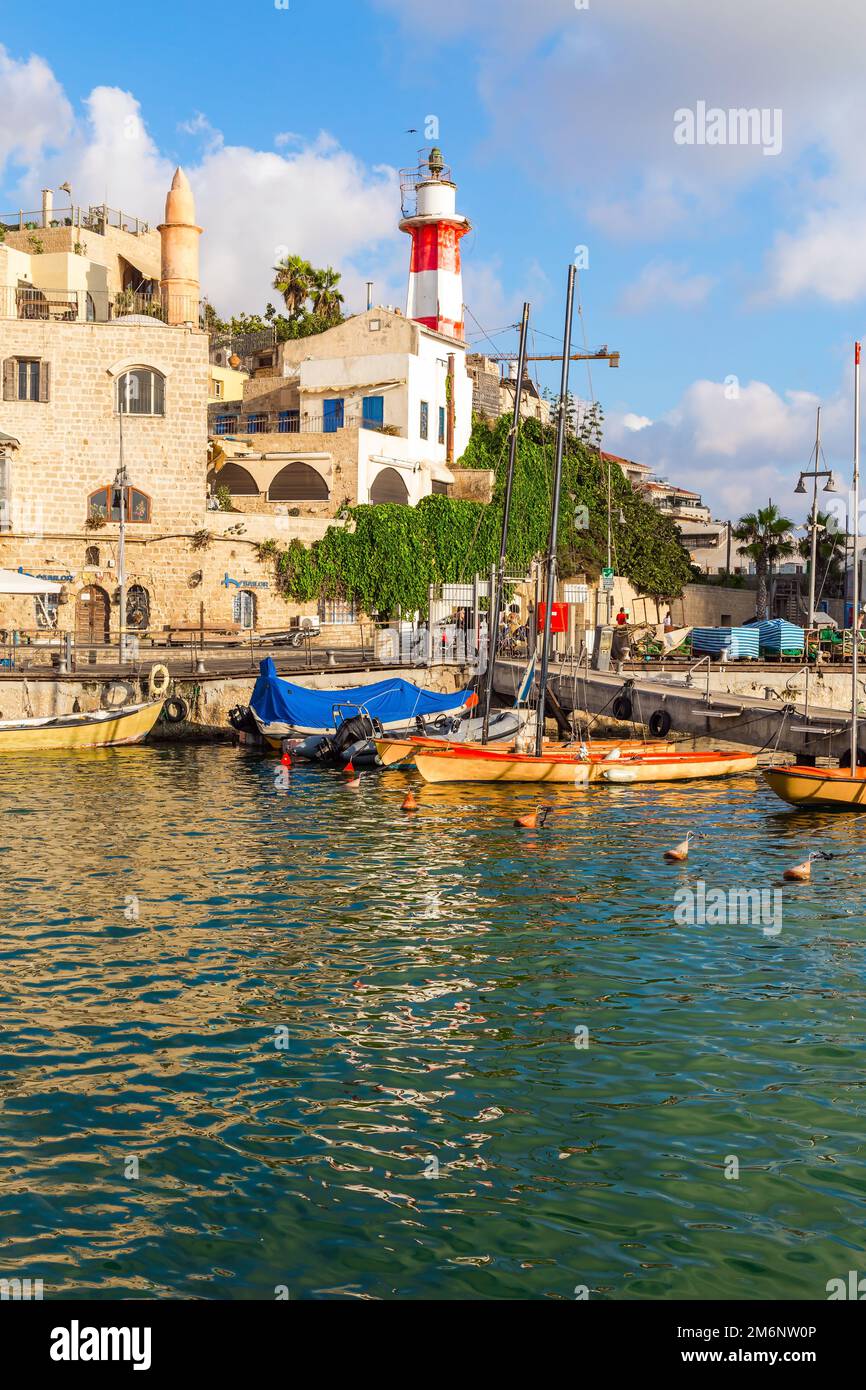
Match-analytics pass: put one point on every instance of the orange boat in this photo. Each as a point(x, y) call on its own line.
point(820, 788)
point(392, 751)
point(456, 763)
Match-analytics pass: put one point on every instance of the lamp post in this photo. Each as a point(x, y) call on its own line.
point(814, 473)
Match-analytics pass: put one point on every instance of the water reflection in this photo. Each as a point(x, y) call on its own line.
point(431, 1128)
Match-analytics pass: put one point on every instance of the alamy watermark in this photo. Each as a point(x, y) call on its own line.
point(715, 907)
point(712, 125)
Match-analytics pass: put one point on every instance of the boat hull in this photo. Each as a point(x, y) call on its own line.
point(822, 789)
point(673, 768)
point(453, 765)
point(130, 724)
point(485, 765)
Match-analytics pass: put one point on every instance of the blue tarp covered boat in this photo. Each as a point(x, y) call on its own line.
point(282, 709)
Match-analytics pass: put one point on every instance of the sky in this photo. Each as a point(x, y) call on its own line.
point(725, 260)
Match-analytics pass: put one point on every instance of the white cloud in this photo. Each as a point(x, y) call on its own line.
point(826, 257)
point(34, 113)
point(738, 445)
point(665, 283)
point(635, 423)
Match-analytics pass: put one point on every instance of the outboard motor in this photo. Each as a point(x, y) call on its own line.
point(242, 720)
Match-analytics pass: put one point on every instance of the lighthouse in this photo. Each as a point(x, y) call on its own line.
point(179, 275)
point(431, 219)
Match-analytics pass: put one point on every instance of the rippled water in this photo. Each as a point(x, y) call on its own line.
point(428, 973)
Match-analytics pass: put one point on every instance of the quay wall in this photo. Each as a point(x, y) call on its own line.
point(209, 697)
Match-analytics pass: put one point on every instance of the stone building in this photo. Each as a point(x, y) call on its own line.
point(87, 384)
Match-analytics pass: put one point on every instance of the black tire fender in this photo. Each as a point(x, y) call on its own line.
point(659, 723)
point(175, 710)
point(622, 708)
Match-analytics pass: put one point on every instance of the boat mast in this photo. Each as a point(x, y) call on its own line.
point(494, 607)
point(550, 586)
point(855, 635)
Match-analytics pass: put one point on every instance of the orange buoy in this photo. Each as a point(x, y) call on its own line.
point(680, 851)
point(286, 759)
point(349, 769)
point(802, 873)
point(410, 801)
point(534, 820)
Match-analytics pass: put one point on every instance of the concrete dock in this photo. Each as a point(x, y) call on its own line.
point(781, 721)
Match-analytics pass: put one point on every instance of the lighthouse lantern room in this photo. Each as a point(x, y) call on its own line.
point(429, 197)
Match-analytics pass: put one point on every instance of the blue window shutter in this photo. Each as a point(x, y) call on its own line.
point(333, 414)
point(373, 409)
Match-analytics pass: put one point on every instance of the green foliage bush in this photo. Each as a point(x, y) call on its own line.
point(391, 554)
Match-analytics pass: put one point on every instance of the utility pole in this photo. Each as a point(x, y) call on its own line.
point(815, 473)
point(120, 482)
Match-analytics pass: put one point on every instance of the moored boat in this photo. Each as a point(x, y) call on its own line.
point(99, 729)
point(452, 764)
point(819, 788)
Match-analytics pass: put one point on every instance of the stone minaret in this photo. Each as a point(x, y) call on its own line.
point(179, 276)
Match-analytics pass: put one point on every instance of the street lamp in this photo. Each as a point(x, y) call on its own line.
point(830, 486)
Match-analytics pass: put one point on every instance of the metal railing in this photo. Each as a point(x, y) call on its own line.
point(225, 421)
point(93, 219)
point(44, 304)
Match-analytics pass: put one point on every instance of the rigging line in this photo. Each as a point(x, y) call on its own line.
point(483, 331)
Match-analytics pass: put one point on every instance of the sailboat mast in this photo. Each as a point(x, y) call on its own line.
point(855, 588)
point(495, 605)
point(550, 586)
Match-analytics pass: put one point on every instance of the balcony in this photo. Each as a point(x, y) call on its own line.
point(93, 219)
point(89, 306)
point(223, 420)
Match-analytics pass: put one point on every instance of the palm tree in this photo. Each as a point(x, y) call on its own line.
point(766, 540)
point(829, 550)
point(293, 278)
point(324, 293)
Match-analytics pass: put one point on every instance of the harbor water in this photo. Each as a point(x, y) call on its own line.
point(270, 1036)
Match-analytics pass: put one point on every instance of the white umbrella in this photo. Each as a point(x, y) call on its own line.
point(16, 582)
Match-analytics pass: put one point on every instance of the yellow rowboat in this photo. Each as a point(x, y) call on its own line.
point(821, 788)
point(101, 729)
point(461, 764)
point(398, 750)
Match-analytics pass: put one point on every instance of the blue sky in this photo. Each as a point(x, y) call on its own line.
point(731, 280)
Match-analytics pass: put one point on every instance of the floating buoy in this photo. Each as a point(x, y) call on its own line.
point(349, 769)
point(534, 820)
point(410, 801)
point(680, 851)
point(802, 873)
point(286, 759)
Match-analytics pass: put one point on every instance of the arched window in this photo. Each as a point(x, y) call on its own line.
point(137, 608)
point(141, 391)
point(106, 503)
point(388, 486)
point(239, 482)
point(298, 482)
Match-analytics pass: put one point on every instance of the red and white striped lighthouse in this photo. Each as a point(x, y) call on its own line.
point(435, 282)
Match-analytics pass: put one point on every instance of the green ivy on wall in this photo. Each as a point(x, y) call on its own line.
point(393, 553)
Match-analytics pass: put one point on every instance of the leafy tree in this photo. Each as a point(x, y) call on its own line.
point(325, 295)
point(293, 279)
point(829, 556)
point(766, 537)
